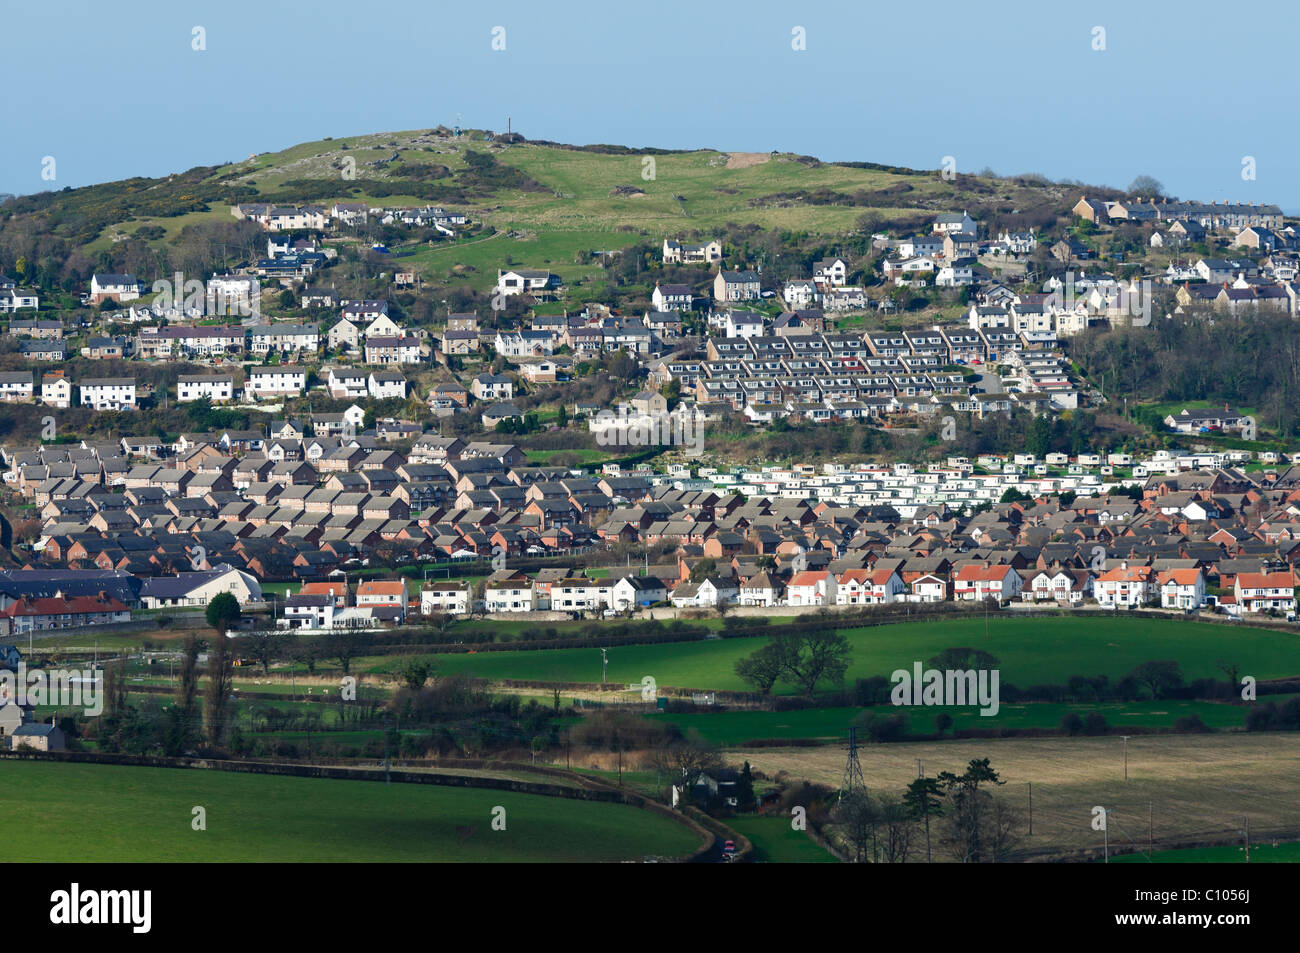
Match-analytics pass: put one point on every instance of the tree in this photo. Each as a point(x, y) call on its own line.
point(942, 722)
point(923, 800)
point(813, 657)
point(857, 817)
point(265, 646)
point(180, 728)
point(415, 672)
point(223, 613)
point(763, 668)
point(1159, 677)
point(1146, 187)
point(898, 826)
point(703, 570)
point(745, 789)
point(687, 761)
point(221, 673)
point(967, 836)
point(344, 646)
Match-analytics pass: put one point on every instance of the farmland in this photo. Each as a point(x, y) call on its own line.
point(1180, 787)
point(1030, 651)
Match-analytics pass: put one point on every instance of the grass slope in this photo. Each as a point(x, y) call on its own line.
point(776, 842)
point(144, 814)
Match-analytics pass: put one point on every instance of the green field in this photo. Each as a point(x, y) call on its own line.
point(145, 814)
point(732, 728)
point(775, 841)
point(1030, 652)
point(1259, 854)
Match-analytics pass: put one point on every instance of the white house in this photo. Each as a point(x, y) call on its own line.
point(760, 590)
point(382, 385)
point(978, 582)
point(951, 224)
point(522, 281)
point(447, 598)
point(1181, 589)
point(1126, 586)
point(16, 387)
point(831, 271)
point(510, 595)
point(218, 388)
point(743, 324)
point(117, 287)
point(56, 391)
point(346, 384)
point(811, 588)
point(631, 592)
point(867, 587)
point(1261, 591)
point(108, 393)
point(264, 382)
point(198, 588)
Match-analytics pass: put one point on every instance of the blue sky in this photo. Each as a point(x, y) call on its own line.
point(1182, 91)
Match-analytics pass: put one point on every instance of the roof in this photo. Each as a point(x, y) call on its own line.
point(55, 605)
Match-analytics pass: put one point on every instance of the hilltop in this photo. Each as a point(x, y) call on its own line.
point(539, 202)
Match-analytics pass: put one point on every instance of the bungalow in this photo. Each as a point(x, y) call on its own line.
point(524, 281)
point(34, 614)
point(198, 588)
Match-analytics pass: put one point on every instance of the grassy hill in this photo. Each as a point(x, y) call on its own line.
point(561, 202)
point(145, 814)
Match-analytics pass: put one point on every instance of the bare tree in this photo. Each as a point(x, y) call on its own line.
point(856, 816)
point(897, 828)
point(221, 673)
